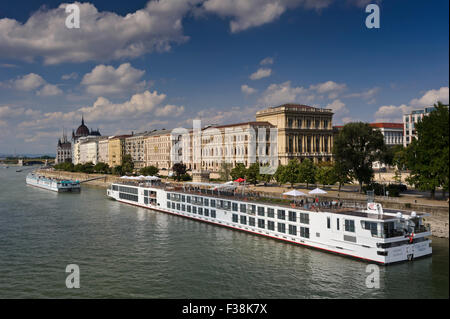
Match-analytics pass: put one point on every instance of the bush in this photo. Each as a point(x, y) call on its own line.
point(393, 189)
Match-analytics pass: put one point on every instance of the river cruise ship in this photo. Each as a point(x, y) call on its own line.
point(53, 184)
point(369, 233)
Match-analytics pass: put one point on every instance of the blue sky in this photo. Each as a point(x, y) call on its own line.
point(169, 62)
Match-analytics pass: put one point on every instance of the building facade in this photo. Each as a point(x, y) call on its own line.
point(409, 124)
point(135, 146)
point(103, 150)
point(81, 135)
point(63, 150)
point(157, 147)
point(392, 132)
point(303, 131)
point(116, 150)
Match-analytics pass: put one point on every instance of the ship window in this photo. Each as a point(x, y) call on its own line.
point(292, 216)
point(350, 225)
point(281, 214)
point(178, 206)
point(188, 208)
point(206, 212)
point(145, 192)
point(206, 202)
point(292, 230)
point(270, 225)
point(304, 232)
point(168, 195)
point(243, 208)
point(260, 211)
point(183, 208)
point(168, 204)
point(328, 222)
point(213, 213)
point(261, 223)
point(183, 198)
point(188, 199)
point(270, 212)
point(173, 205)
point(243, 220)
point(145, 200)
point(194, 209)
point(235, 207)
point(133, 198)
point(251, 221)
point(281, 228)
point(200, 211)
point(213, 203)
point(235, 218)
point(304, 218)
point(337, 223)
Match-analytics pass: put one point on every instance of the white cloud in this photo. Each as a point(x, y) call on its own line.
point(29, 82)
point(246, 14)
point(103, 36)
point(261, 73)
point(431, 97)
point(266, 61)
point(71, 76)
point(391, 113)
point(49, 90)
point(338, 108)
point(105, 79)
point(366, 95)
point(277, 94)
point(328, 87)
point(247, 90)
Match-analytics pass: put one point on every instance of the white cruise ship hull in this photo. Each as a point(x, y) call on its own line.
point(53, 185)
point(321, 230)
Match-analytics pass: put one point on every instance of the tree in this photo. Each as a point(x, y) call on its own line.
point(266, 178)
point(340, 175)
point(179, 169)
point(239, 171)
point(278, 176)
point(127, 164)
point(307, 172)
point(325, 174)
point(427, 156)
point(117, 170)
point(225, 171)
point(101, 168)
point(149, 171)
point(252, 174)
point(291, 172)
point(356, 147)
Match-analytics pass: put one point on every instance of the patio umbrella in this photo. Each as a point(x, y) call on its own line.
point(240, 180)
point(294, 193)
point(317, 191)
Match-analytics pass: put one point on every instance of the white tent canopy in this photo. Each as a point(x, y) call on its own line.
point(295, 193)
point(317, 191)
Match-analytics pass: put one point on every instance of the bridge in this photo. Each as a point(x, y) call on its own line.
point(28, 161)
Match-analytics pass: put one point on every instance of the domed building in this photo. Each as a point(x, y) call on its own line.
point(80, 136)
point(83, 130)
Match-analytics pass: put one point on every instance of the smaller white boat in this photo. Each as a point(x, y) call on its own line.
point(53, 184)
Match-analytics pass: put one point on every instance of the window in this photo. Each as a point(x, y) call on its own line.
point(145, 192)
point(243, 220)
point(337, 223)
point(292, 230)
point(260, 211)
point(270, 225)
point(299, 123)
point(173, 205)
point(292, 216)
point(234, 207)
point(183, 198)
point(213, 203)
point(281, 228)
point(133, 198)
point(178, 206)
point(206, 202)
point(213, 213)
point(261, 223)
point(183, 208)
point(350, 225)
point(188, 199)
point(304, 232)
point(206, 211)
point(243, 208)
point(270, 212)
point(194, 209)
point(200, 211)
point(281, 214)
point(235, 218)
point(188, 208)
point(289, 122)
point(328, 222)
point(304, 218)
point(168, 195)
point(251, 221)
point(145, 200)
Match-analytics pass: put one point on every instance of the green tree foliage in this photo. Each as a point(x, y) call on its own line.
point(325, 174)
point(149, 171)
point(291, 172)
point(266, 178)
point(179, 169)
point(102, 168)
point(118, 170)
point(252, 174)
point(66, 166)
point(427, 156)
point(225, 171)
point(127, 164)
point(356, 147)
point(307, 172)
point(239, 171)
point(278, 176)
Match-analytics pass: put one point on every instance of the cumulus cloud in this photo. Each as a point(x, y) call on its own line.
point(246, 14)
point(71, 76)
point(277, 94)
point(331, 88)
point(393, 113)
point(338, 107)
point(266, 61)
point(105, 79)
point(49, 90)
point(29, 82)
point(103, 36)
point(261, 73)
point(247, 90)
point(366, 95)
point(431, 97)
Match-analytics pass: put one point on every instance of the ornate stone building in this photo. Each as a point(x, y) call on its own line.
point(135, 146)
point(63, 150)
point(82, 134)
point(303, 131)
point(116, 150)
point(158, 145)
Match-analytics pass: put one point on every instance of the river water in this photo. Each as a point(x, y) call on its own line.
point(128, 252)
